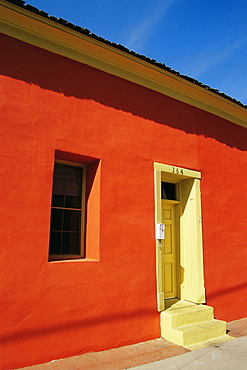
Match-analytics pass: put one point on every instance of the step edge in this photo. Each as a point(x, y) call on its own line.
point(190, 318)
point(214, 342)
point(213, 321)
point(184, 310)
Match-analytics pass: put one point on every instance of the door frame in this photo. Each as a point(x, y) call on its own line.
point(190, 235)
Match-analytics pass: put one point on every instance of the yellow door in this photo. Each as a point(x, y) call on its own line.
point(169, 251)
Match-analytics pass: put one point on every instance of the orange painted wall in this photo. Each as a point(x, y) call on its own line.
point(54, 310)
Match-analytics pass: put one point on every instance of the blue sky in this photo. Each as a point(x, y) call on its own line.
point(203, 39)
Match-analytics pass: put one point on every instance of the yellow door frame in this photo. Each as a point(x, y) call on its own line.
point(190, 239)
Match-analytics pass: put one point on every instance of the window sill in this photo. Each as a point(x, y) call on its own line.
point(74, 260)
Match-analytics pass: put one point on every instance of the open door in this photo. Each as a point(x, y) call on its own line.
point(179, 256)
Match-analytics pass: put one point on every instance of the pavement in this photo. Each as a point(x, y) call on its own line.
point(229, 355)
point(160, 354)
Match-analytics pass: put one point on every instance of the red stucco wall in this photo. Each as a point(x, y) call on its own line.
point(54, 310)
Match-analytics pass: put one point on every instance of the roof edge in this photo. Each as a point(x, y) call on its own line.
point(83, 46)
point(88, 33)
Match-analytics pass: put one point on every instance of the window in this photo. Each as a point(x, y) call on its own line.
point(67, 211)
point(168, 191)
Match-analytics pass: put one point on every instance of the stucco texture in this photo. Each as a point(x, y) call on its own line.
point(58, 309)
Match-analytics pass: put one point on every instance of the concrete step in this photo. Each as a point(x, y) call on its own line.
point(183, 313)
point(187, 335)
point(215, 342)
point(188, 324)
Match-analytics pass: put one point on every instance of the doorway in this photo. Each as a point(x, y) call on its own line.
point(179, 258)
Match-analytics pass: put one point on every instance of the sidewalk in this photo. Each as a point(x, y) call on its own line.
point(160, 354)
point(229, 355)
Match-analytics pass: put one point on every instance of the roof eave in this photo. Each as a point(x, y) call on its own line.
point(43, 32)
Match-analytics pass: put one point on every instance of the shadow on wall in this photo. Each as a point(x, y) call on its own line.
point(221, 292)
point(59, 74)
point(71, 325)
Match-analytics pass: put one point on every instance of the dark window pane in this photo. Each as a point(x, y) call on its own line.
point(59, 173)
point(72, 201)
point(58, 200)
point(73, 170)
point(65, 222)
point(70, 243)
point(71, 221)
point(73, 176)
point(55, 242)
point(73, 181)
point(75, 192)
point(58, 187)
point(168, 191)
point(56, 219)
